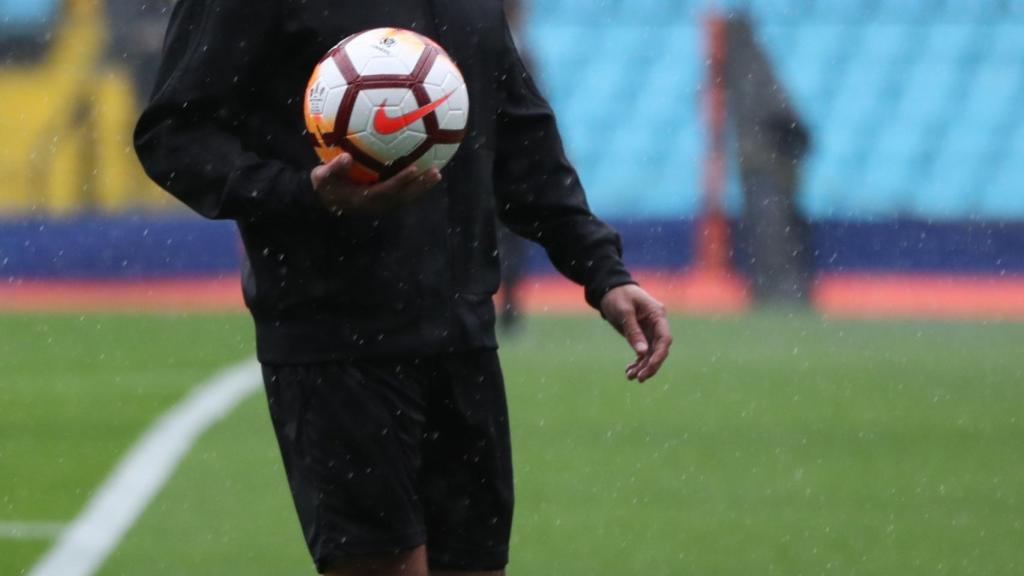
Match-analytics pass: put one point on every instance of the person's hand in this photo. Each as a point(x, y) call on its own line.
point(341, 195)
point(642, 321)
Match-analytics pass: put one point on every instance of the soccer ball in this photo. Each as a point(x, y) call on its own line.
point(390, 98)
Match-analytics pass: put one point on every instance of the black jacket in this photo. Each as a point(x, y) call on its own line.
point(224, 133)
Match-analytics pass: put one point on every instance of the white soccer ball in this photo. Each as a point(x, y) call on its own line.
point(390, 98)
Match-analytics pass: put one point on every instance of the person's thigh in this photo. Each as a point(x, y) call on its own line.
point(466, 479)
point(350, 435)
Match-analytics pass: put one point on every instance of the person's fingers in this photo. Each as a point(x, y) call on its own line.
point(339, 166)
point(334, 170)
point(319, 175)
point(651, 315)
point(413, 190)
point(422, 184)
point(635, 335)
point(661, 342)
point(639, 366)
point(387, 194)
point(394, 184)
point(630, 329)
point(330, 184)
point(633, 370)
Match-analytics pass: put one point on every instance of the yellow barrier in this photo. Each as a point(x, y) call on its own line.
point(65, 128)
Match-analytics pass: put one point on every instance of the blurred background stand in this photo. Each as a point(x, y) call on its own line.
point(74, 73)
point(513, 250)
point(24, 29)
point(771, 141)
point(689, 136)
point(136, 38)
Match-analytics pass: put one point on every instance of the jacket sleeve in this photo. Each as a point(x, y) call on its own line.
point(186, 138)
point(538, 191)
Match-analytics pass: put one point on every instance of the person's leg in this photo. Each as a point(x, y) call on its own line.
point(466, 479)
point(513, 251)
point(350, 435)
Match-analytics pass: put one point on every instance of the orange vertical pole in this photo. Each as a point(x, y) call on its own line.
point(712, 252)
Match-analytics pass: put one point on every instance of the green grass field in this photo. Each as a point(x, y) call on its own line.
point(771, 444)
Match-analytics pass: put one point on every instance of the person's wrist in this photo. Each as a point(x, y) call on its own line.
point(318, 190)
point(606, 303)
point(597, 296)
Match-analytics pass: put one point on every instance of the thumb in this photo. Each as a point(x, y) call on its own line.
point(634, 335)
point(339, 166)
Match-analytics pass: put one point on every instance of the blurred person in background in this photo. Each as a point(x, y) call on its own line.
point(772, 142)
point(514, 249)
point(136, 34)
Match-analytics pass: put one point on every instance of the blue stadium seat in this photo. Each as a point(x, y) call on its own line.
point(887, 43)
point(560, 53)
point(782, 11)
point(959, 167)
point(1006, 40)
point(822, 191)
point(649, 11)
point(28, 12)
point(903, 10)
point(994, 91)
point(809, 71)
point(578, 11)
point(971, 10)
point(893, 167)
point(929, 90)
point(913, 104)
point(1002, 198)
point(946, 196)
point(26, 18)
point(950, 42)
point(839, 10)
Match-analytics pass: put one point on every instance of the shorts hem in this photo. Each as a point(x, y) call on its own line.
point(395, 544)
point(467, 559)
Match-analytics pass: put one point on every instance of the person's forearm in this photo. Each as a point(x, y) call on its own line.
point(207, 169)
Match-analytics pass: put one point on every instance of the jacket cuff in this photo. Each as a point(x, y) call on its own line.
point(305, 196)
point(605, 282)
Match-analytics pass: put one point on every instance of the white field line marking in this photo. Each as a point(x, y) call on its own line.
point(84, 546)
point(30, 530)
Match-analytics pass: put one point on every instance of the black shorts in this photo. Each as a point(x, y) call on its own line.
point(386, 455)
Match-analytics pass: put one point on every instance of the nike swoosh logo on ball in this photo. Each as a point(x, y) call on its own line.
point(385, 124)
